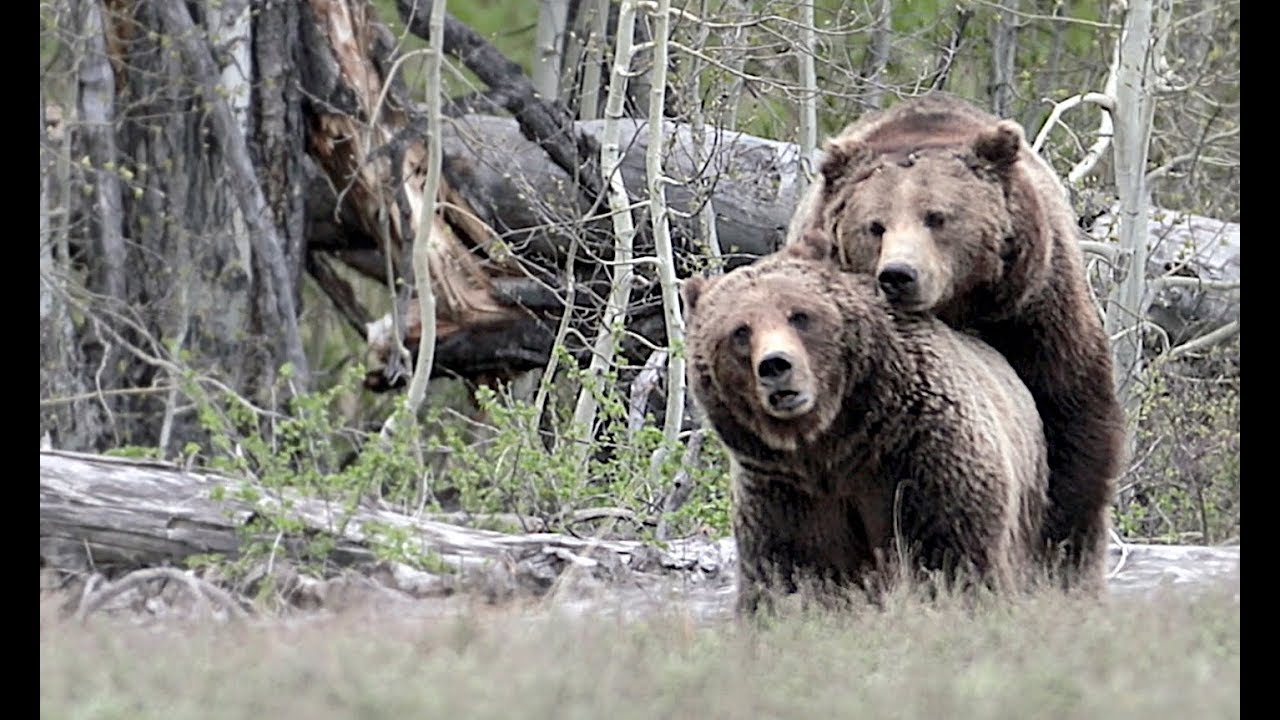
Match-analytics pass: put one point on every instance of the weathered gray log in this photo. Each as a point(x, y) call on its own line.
point(129, 514)
point(138, 513)
point(525, 197)
point(1194, 264)
point(534, 206)
point(528, 199)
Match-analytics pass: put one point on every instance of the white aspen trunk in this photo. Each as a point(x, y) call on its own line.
point(1004, 50)
point(613, 319)
point(1132, 133)
point(552, 15)
point(808, 98)
point(230, 28)
point(425, 220)
point(879, 56)
point(599, 21)
point(674, 417)
point(697, 128)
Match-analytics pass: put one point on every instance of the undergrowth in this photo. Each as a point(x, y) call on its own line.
point(498, 464)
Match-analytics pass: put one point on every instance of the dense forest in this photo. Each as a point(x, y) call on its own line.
point(425, 260)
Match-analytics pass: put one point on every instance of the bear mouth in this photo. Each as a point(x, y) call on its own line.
point(785, 404)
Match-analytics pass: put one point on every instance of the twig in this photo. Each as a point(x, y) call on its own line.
point(1124, 553)
point(1106, 102)
point(106, 393)
point(1223, 333)
point(681, 488)
point(649, 377)
point(202, 591)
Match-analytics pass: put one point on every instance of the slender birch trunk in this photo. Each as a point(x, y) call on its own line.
point(674, 417)
point(613, 320)
point(425, 224)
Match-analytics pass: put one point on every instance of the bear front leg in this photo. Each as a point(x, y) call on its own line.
point(956, 520)
point(792, 541)
point(1084, 434)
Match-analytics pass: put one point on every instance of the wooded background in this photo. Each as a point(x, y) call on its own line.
point(242, 203)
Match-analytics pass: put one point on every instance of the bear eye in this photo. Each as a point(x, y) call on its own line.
point(876, 228)
point(933, 219)
point(741, 335)
point(799, 320)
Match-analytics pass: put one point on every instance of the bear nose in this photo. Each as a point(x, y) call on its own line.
point(774, 368)
point(897, 279)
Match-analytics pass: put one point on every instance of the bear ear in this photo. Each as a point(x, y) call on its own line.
point(1000, 144)
point(813, 244)
point(841, 155)
point(691, 289)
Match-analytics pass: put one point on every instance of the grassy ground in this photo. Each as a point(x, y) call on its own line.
point(1176, 656)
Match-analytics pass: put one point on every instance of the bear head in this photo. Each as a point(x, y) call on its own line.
point(934, 223)
point(768, 345)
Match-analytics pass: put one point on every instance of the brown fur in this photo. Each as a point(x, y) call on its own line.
point(885, 416)
point(957, 195)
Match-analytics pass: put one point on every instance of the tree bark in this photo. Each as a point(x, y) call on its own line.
point(193, 119)
point(1132, 135)
point(96, 143)
point(276, 284)
point(1004, 51)
point(279, 134)
point(70, 417)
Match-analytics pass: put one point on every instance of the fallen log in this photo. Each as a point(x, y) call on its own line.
point(107, 512)
point(534, 207)
point(125, 518)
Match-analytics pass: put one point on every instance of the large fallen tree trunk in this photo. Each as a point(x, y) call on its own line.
point(130, 518)
point(519, 199)
point(108, 512)
point(533, 205)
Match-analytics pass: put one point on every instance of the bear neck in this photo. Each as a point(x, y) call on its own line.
point(882, 367)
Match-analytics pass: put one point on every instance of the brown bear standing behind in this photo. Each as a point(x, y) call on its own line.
point(950, 210)
point(850, 424)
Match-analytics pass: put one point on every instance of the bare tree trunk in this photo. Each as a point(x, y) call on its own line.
point(703, 182)
point(70, 416)
point(808, 97)
point(1134, 106)
point(674, 417)
point(210, 272)
point(96, 146)
point(1004, 50)
point(613, 319)
point(279, 132)
point(584, 53)
point(425, 226)
point(546, 64)
point(879, 56)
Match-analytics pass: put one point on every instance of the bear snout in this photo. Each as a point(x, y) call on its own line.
point(782, 383)
point(774, 369)
point(899, 281)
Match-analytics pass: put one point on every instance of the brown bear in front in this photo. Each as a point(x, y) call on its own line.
point(852, 426)
point(950, 210)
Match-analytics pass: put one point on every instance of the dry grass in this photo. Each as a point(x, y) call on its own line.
point(1165, 657)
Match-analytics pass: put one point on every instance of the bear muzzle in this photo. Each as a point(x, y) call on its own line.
point(899, 281)
point(776, 376)
point(909, 269)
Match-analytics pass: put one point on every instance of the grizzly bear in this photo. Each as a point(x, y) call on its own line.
point(951, 211)
point(857, 431)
